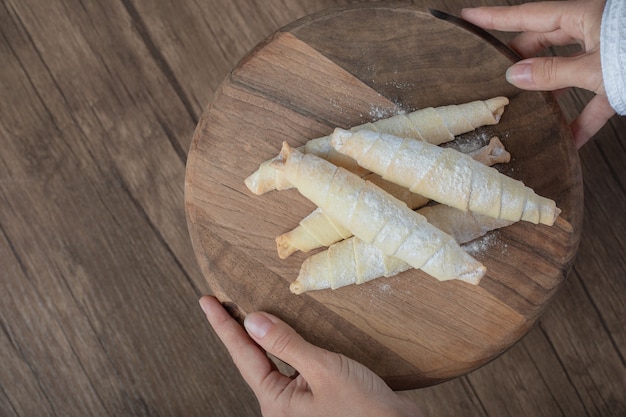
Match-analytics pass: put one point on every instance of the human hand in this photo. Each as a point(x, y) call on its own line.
point(326, 384)
point(545, 24)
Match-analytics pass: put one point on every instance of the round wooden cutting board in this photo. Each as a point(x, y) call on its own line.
point(345, 67)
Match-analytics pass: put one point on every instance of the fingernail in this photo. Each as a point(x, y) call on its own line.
point(519, 74)
point(203, 306)
point(257, 325)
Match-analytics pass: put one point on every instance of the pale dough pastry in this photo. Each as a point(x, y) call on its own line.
point(352, 261)
point(432, 124)
point(317, 229)
point(376, 217)
point(446, 176)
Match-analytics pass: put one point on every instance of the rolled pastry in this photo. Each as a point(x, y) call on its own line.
point(433, 124)
point(446, 176)
point(352, 261)
point(376, 217)
point(317, 229)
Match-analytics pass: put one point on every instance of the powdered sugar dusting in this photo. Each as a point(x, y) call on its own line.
point(376, 291)
point(384, 288)
point(485, 243)
point(470, 142)
point(476, 139)
point(401, 85)
point(377, 113)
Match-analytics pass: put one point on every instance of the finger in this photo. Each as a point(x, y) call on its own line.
point(534, 17)
point(528, 44)
point(282, 341)
point(250, 360)
point(593, 117)
point(553, 73)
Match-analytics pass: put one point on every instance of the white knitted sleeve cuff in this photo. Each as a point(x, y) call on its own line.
point(613, 53)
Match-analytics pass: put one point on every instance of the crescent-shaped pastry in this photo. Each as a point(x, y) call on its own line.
point(446, 176)
point(376, 217)
point(432, 124)
point(352, 261)
point(317, 229)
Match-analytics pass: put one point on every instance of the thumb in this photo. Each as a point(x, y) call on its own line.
point(282, 341)
point(553, 73)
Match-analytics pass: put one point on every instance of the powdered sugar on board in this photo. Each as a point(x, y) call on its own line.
point(377, 113)
point(485, 243)
point(476, 139)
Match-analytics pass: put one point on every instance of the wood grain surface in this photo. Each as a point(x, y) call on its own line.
point(344, 67)
point(99, 282)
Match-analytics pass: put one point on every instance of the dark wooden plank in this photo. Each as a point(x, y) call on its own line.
point(453, 398)
point(527, 380)
point(99, 227)
point(19, 375)
point(120, 349)
point(601, 263)
point(124, 96)
point(586, 349)
point(202, 42)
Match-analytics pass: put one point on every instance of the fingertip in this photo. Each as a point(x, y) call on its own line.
point(251, 361)
point(466, 11)
point(206, 302)
point(281, 340)
point(258, 324)
point(470, 14)
point(215, 313)
point(520, 75)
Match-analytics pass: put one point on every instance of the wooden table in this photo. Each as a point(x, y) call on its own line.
point(99, 281)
